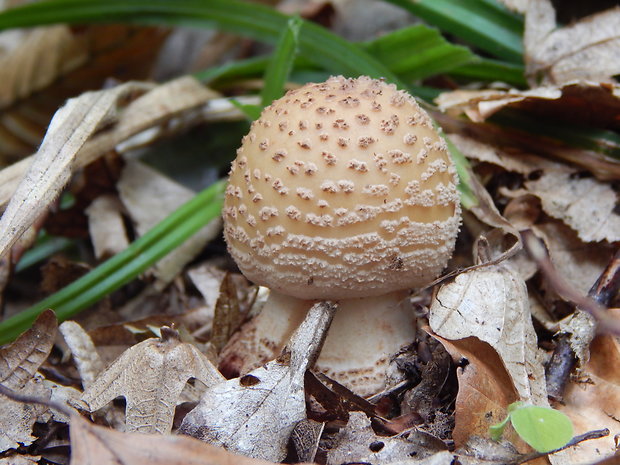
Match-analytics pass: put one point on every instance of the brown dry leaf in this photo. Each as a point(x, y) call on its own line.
point(149, 197)
point(96, 445)
point(106, 226)
point(41, 55)
point(142, 121)
point(150, 376)
point(485, 389)
point(51, 65)
point(227, 316)
point(588, 49)
point(358, 443)
point(579, 263)
point(84, 353)
point(53, 164)
point(491, 303)
point(592, 401)
point(255, 415)
point(19, 362)
point(585, 204)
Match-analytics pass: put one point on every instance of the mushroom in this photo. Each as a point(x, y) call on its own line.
point(342, 190)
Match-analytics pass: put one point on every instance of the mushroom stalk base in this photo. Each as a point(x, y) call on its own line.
point(364, 334)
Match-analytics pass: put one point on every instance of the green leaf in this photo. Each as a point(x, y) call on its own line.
point(281, 63)
point(417, 52)
point(247, 19)
point(497, 430)
point(543, 428)
point(125, 266)
point(482, 23)
point(252, 112)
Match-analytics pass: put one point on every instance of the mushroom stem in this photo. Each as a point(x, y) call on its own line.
point(363, 336)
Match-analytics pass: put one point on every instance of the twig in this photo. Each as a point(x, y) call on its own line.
point(17, 397)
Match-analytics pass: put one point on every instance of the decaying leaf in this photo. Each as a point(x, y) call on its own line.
point(589, 49)
point(106, 227)
point(485, 389)
point(53, 164)
point(585, 204)
point(227, 315)
point(149, 197)
point(592, 401)
point(142, 121)
point(491, 304)
point(151, 376)
point(358, 443)
point(20, 460)
point(21, 359)
point(96, 445)
point(84, 353)
point(255, 415)
point(19, 363)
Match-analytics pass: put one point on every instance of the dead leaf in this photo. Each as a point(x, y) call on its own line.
point(20, 460)
point(491, 304)
point(585, 204)
point(579, 263)
point(96, 445)
point(592, 401)
point(52, 166)
point(151, 376)
point(227, 316)
point(358, 443)
point(52, 64)
point(84, 353)
point(21, 359)
point(149, 197)
point(106, 227)
point(588, 49)
point(142, 121)
point(255, 415)
point(19, 362)
point(485, 389)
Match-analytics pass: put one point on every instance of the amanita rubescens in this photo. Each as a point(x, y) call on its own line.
point(342, 190)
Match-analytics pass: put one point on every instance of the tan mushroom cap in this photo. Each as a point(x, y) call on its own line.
point(342, 189)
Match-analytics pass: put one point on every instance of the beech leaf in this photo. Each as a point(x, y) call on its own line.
point(151, 376)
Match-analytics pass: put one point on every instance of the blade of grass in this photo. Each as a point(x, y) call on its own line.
point(485, 69)
point(281, 62)
point(125, 266)
point(46, 246)
point(494, 30)
point(248, 19)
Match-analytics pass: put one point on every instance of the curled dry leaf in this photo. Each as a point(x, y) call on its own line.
point(151, 376)
point(149, 197)
point(84, 353)
point(146, 118)
point(358, 443)
point(255, 415)
point(588, 49)
point(19, 363)
point(106, 226)
point(485, 389)
point(53, 164)
point(491, 304)
point(96, 445)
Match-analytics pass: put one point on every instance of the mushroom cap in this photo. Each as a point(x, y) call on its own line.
point(342, 189)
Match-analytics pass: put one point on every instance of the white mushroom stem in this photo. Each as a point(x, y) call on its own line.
point(363, 336)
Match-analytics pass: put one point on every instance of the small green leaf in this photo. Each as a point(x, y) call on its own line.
point(543, 428)
point(251, 112)
point(496, 430)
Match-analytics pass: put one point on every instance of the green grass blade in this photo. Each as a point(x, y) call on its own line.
point(494, 30)
point(281, 63)
point(484, 69)
point(46, 246)
point(259, 22)
point(125, 266)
